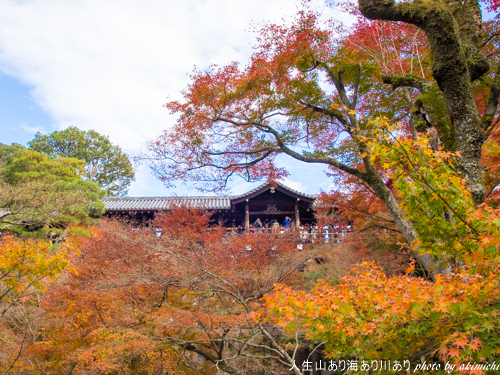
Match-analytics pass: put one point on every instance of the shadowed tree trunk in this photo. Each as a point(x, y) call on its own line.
point(452, 30)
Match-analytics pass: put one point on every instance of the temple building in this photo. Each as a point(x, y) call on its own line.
point(271, 201)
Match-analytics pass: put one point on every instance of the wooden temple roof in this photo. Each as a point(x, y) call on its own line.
point(205, 202)
point(276, 185)
point(165, 203)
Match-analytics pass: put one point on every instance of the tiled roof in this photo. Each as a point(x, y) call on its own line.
point(164, 203)
point(206, 202)
point(269, 184)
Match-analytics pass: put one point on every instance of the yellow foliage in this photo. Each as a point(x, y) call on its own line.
point(25, 264)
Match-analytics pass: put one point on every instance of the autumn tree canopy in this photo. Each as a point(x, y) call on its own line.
point(137, 302)
point(309, 92)
point(370, 315)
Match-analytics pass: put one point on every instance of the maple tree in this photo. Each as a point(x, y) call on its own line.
point(369, 315)
point(140, 302)
point(101, 318)
point(425, 65)
point(375, 236)
point(491, 163)
point(25, 266)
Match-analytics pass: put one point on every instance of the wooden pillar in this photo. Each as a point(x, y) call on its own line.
point(247, 216)
point(143, 219)
point(220, 220)
point(297, 216)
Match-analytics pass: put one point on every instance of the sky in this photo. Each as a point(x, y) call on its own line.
point(111, 65)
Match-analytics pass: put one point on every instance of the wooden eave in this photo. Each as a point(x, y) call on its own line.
point(279, 187)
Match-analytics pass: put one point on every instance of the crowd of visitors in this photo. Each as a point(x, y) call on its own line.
point(271, 224)
point(307, 233)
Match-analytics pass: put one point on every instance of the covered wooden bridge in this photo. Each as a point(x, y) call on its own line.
point(270, 202)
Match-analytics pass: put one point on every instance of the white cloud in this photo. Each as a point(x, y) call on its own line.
point(31, 129)
point(109, 65)
point(296, 185)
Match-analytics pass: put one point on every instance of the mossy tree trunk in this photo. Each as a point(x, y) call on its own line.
point(452, 30)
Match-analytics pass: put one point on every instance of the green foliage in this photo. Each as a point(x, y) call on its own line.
point(38, 191)
point(26, 165)
point(371, 316)
point(7, 151)
point(433, 193)
point(105, 163)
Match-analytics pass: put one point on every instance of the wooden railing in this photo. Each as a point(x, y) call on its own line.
point(298, 235)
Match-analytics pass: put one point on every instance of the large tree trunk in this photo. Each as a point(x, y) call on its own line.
point(456, 61)
point(385, 194)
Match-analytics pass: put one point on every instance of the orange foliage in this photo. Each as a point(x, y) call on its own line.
point(137, 301)
point(26, 267)
point(372, 316)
